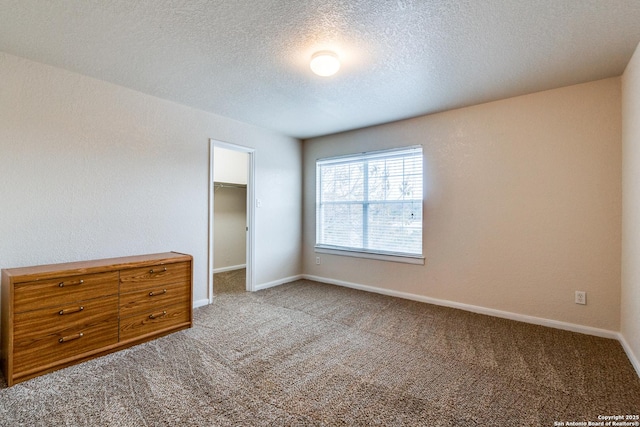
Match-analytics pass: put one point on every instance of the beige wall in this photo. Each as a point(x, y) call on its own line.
point(229, 208)
point(522, 207)
point(229, 225)
point(630, 301)
point(230, 166)
point(93, 170)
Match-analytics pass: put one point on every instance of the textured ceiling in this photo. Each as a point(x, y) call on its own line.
point(248, 59)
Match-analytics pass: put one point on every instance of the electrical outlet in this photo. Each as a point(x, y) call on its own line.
point(581, 297)
point(318, 260)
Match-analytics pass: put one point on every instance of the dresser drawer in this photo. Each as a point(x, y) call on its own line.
point(153, 298)
point(154, 320)
point(136, 279)
point(51, 347)
point(31, 326)
point(54, 292)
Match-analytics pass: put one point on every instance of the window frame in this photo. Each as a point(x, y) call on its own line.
point(384, 255)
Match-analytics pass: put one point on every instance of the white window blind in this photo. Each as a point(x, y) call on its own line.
point(371, 202)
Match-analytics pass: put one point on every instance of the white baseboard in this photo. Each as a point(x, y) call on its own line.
point(632, 357)
point(604, 333)
point(278, 282)
point(200, 303)
point(230, 268)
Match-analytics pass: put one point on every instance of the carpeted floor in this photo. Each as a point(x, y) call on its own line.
point(230, 282)
point(310, 354)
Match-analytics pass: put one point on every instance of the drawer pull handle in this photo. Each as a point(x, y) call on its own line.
point(71, 338)
point(62, 284)
point(71, 310)
point(157, 271)
point(153, 294)
point(155, 316)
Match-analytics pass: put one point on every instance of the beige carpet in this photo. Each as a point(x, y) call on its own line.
point(230, 282)
point(309, 354)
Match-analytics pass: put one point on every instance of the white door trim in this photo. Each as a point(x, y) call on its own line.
point(251, 283)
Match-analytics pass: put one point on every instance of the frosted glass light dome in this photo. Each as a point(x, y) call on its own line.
point(325, 63)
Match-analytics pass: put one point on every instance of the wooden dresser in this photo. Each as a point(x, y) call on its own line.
point(61, 314)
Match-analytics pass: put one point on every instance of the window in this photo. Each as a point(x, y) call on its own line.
point(371, 203)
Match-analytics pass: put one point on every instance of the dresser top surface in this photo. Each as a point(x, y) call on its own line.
point(83, 267)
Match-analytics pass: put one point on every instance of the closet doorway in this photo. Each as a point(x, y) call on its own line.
point(230, 219)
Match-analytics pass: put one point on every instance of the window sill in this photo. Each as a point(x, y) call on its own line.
point(405, 259)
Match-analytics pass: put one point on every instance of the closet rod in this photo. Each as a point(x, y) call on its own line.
point(218, 185)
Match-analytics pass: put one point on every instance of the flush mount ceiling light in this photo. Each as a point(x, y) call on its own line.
point(325, 63)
